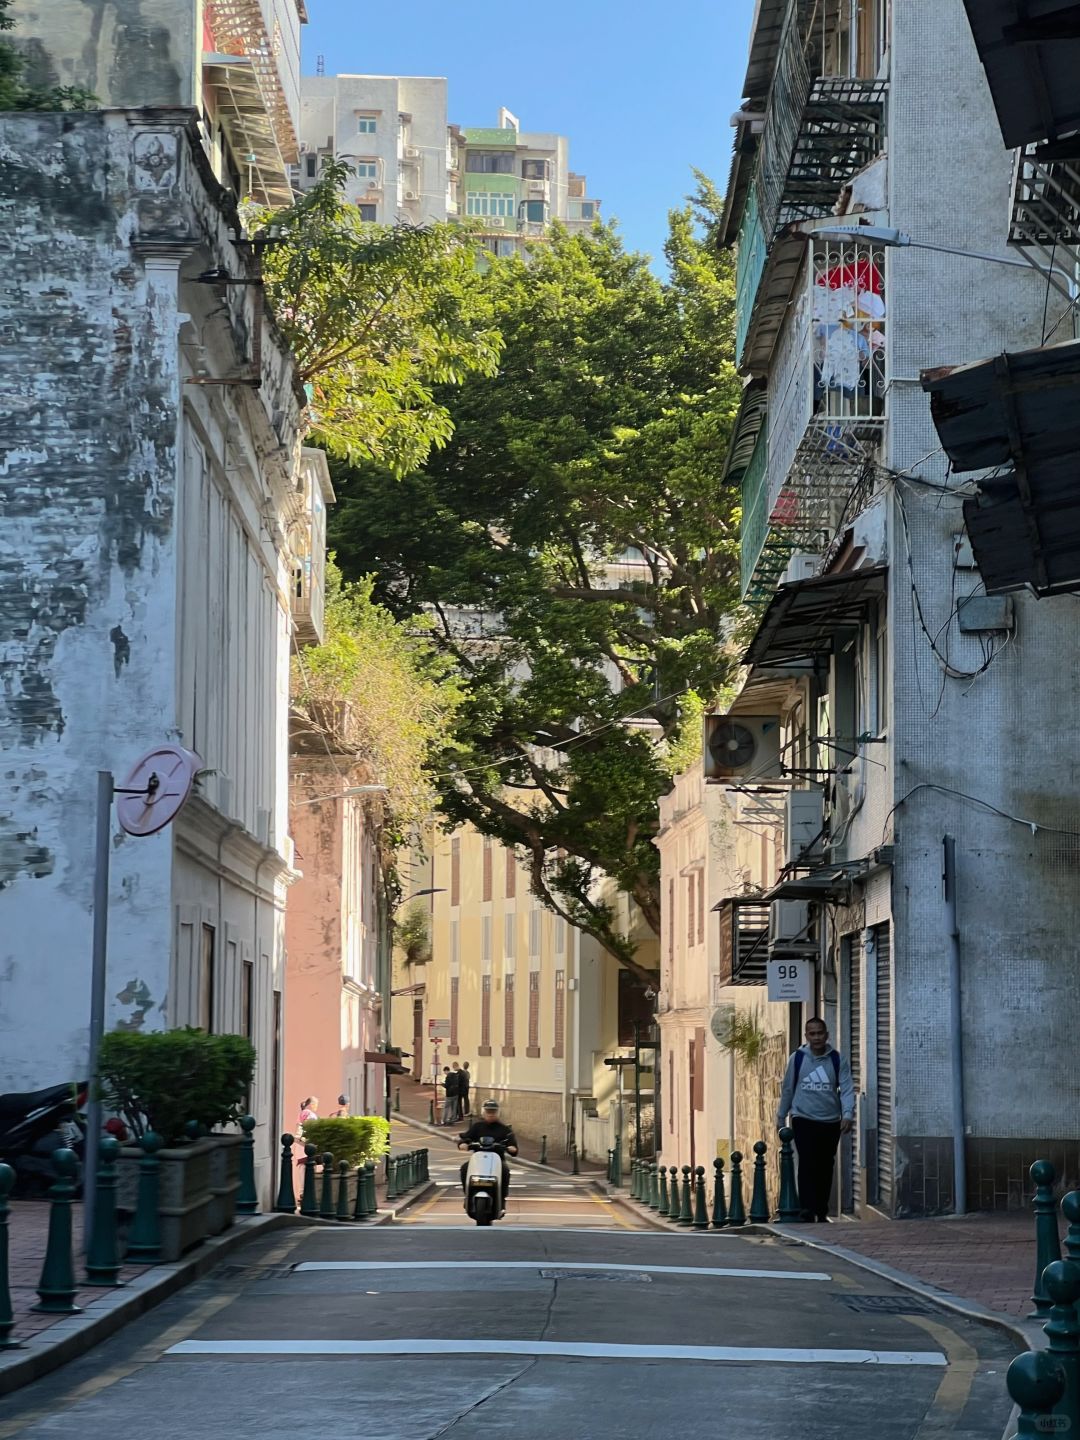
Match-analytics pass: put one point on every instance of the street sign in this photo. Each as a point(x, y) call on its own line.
point(791, 980)
point(438, 1029)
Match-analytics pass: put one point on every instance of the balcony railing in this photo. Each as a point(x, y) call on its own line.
point(1045, 222)
point(751, 250)
point(744, 941)
point(308, 600)
point(826, 413)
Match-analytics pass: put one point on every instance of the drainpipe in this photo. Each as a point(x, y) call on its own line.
point(959, 1126)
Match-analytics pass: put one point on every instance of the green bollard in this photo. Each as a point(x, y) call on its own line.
point(575, 1168)
point(1036, 1383)
point(431, 1112)
point(654, 1186)
point(286, 1195)
point(144, 1237)
point(674, 1207)
point(543, 1149)
point(701, 1209)
point(1070, 1208)
point(759, 1194)
point(662, 1208)
point(7, 1314)
point(737, 1211)
point(633, 1177)
point(56, 1288)
point(103, 1254)
point(397, 1100)
point(391, 1178)
point(617, 1164)
point(1062, 1284)
point(371, 1199)
point(719, 1204)
point(788, 1207)
point(686, 1214)
point(1047, 1243)
point(326, 1203)
point(309, 1200)
point(359, 1208)
point(343, 1211)
point(247, 1197)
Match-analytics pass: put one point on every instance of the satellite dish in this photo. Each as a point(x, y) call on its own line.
point(155, 789)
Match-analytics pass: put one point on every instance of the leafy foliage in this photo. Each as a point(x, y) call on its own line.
point(578, 552)
point(353, 1138)
point(377, 316)
point(412, 935)
point(165, 1080)
point(16, 94)
point(743, 1035)
point(381, 690)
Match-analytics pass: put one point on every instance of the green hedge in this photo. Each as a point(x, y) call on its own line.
point(355, 1138)
point(164, 1081)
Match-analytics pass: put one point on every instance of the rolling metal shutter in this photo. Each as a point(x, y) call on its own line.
point(885, 1146)
point(853, 1040)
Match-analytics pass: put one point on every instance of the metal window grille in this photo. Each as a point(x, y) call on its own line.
point(485, 1012)
point(534, 1013)
point(508, 1014)
point(511, 875)
point(486, 891)
point(558, 1049)
point(455, 870)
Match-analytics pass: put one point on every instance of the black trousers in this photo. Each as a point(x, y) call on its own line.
point(816, 1142)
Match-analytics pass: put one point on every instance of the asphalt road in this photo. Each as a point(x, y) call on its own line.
point(571, 1318)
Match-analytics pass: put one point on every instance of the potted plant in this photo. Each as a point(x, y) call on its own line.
point(181, 1084)
point(355, 1139)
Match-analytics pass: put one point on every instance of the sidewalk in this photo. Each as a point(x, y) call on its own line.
point(416, 1104)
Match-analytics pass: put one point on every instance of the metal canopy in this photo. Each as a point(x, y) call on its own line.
point(242, 110)
point(1021, 411)
point(804, 619)
point(772, 303)
point(744, 434)
point(1030, 50)
point(829, 885)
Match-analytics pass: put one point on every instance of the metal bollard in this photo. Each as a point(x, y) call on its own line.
point(1036, 1383)
point(736, 1211)
point(617, 1180)
point(103, 1253)
point(371, 1202)
point(759, 1194)
point(309, 1200)
point(391, 1178)
point(144, 1237)
point(611, 1167)
point(686, 1214)
point(326, 1203)
point(674, 1207)
point(343, 1211)
point(1061, 1281)
point(397, 1099)
point(662, 1208)
point(431, 1112)
point(1047, 1243)
point(719, 1204)
point(633, 1177)
point(575, 1168)
point(543, 1149)
point(1070, 1208)
point(56, 1288)
point(359, 1206)
point(654, 1186)
point(285, 1204)
point(7, 1314)
point(247, 1197)
point(788, 1207)
point(701, 1209)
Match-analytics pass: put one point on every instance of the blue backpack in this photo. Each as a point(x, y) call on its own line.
point(800, 1056)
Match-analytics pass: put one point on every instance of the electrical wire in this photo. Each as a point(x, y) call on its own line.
point(1033, 825)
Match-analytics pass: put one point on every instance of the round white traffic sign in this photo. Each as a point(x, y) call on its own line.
point(157, 786)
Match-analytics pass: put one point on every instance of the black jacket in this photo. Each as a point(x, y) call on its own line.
point(463, 1082)
point(501, 1134)
point(450, 1084)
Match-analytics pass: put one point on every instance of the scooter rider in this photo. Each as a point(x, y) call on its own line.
point(490, 1127)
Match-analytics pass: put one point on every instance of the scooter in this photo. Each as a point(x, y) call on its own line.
point(34, 1124)
point(483, 1182)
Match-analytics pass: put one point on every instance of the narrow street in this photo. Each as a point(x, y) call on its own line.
point(572, 1316)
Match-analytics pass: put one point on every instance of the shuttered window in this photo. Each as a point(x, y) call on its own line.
point(511, 875)
point(535, 921)
point(454, 983)
point(883, 985)
point(690, 908)
point(558, 1050)
point(508, 1015)
point(485, 1015)
point(533, 1048)
point(701, 908)
point(487, 885)
point(455, 870)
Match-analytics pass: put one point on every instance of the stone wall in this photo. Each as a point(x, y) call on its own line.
point(757, 1095)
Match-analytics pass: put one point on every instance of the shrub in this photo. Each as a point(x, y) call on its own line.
point(163, 1081)
point(355, 1138)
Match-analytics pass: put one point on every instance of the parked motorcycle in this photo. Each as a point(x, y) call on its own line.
point(483, 1181)
point(35, 1123)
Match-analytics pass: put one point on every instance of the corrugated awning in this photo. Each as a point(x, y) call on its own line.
point(772, 303)
point(242, 110)
point(805, 618)
point(1020, 411)
point(745, 431)
point(1030, 50)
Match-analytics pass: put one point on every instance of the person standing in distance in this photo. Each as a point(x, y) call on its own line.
point(819, 1096)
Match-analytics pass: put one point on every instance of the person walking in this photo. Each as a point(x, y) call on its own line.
point(819, 1096)
point(450, 1096)
point(465, 1083)
point(461, 1084)
point(343, 1107)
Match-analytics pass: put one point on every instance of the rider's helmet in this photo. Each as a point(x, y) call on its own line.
point(490, 1109)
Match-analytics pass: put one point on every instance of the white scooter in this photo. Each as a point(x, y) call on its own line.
point(483, 1182)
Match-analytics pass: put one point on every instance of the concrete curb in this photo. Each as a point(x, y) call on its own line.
point(74, 1335)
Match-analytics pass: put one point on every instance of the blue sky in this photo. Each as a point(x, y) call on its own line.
point(644, 91)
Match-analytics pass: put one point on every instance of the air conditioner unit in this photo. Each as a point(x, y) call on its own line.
point(742, 747)
point(412, 152)
point(373, 185)
point(537, 187)
point(411, 195)
point(788, 922)
point(801, 567)
point(804, 816)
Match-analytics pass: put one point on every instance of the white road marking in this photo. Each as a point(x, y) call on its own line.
point(547, 1264)
point(487, 1345)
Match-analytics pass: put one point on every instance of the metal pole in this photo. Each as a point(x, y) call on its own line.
point(956, 1018)
point(97, 994)
point(637, 1087)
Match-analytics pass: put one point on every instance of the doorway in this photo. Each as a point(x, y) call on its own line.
point(418, 1039)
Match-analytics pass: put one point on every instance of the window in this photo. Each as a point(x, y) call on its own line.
point(247, 1001)
point(511, 875)
point(509, 936)
point(701, 908)
point(453, 1047)
point(671, 923)
point(485, 1015)
point(588, 209)
point(311, 166)
point(503, 248)
point(490, 162)
point(485, 940)
point(508, 1015)
point(365, 124)
point(368, 213)
point(455, 870)
point(534, 211)
point(690, 882)
point(536, 169)
point(206, 980)
point(558, 1050)
point(480, 202)
point(560, 936)
point(535, 922)
point(485, 893)
point(367, 169)
point(533, 1048)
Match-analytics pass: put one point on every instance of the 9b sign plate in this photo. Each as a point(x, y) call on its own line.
point(791, 980)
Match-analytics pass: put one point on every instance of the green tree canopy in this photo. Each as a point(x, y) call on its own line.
point(378, 317)
point(578, 553)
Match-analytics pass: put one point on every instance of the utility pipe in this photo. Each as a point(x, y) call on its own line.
point(959, 1126)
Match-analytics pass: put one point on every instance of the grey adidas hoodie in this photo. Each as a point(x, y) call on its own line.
point(817, 1097)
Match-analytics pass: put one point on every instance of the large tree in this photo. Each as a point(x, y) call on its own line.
point(579, 553)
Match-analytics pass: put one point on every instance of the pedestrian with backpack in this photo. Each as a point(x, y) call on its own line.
point(819, 1097)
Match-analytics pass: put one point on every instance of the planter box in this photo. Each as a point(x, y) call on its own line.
point(189, 1204)
point(224, 1180)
